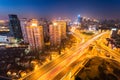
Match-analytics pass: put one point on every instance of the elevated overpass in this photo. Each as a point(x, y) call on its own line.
point(52, 69)
point(99, 50)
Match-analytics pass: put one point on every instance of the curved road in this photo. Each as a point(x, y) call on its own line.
point(50, 70)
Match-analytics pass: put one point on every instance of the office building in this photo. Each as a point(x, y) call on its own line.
point(23, 23)
point(35, 35)
point(15, 28)
point(77, 22)
point(79, 18)
point(114, 32)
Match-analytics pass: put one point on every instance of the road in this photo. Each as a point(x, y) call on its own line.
point(115, 55)
point(99, 49)
point(50, 70)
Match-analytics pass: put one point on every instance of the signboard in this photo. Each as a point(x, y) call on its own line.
point(3, 39)
point(114, 29)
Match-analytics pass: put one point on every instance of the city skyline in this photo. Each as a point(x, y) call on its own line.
point(99, 9)
point(59, 39)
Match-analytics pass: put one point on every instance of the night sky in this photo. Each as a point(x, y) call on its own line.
point(99, 9)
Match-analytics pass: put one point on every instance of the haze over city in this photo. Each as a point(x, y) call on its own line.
point(100, 9)
point(59, 39)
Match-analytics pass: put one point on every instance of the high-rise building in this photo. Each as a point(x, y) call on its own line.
point(63, 25)
point(15, 28)
point(45, 24)
point(78, 21)
point(55, 34)
point(35, 35)
point(23, 23)
point(46, 32)
point(79, 18)
point(114, 32)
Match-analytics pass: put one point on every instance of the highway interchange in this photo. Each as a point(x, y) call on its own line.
point(52, 70)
